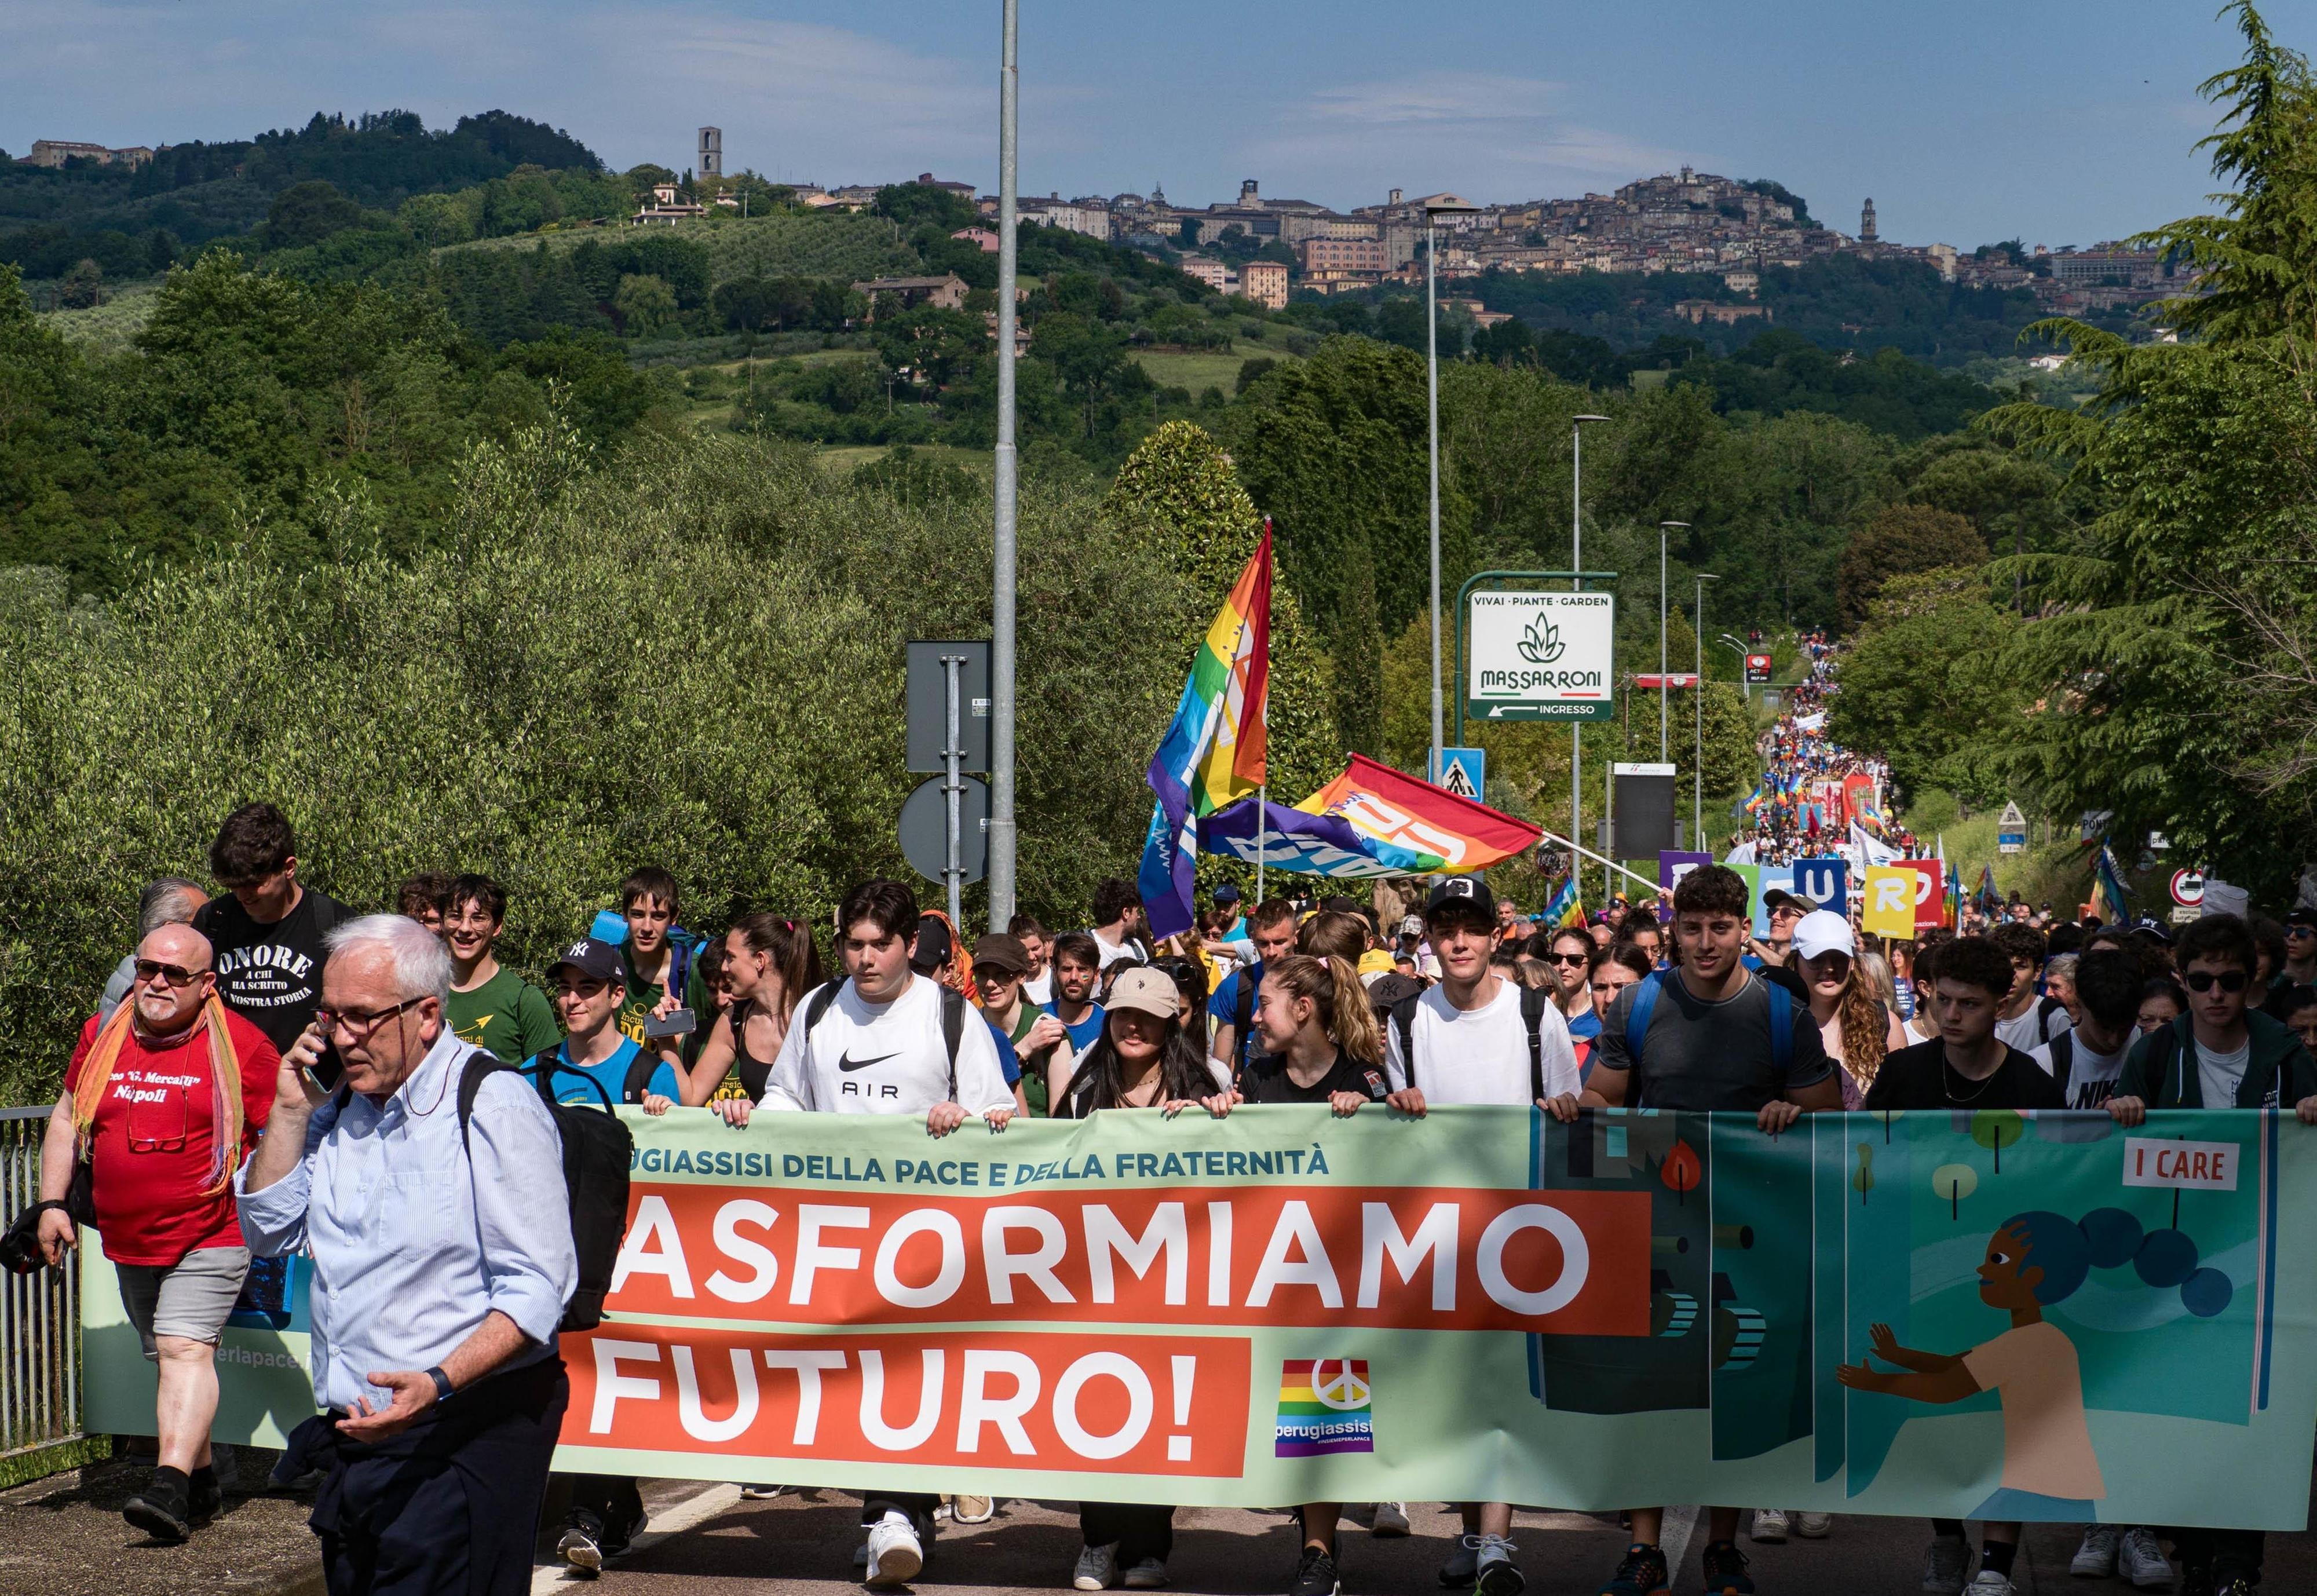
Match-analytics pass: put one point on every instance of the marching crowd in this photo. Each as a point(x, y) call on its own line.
point(1810, 790)
point(273, 1074)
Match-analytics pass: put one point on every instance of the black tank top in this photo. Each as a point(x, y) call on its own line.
point(751, 1070)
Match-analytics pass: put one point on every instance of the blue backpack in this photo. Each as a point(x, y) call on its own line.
point(1645, 1006)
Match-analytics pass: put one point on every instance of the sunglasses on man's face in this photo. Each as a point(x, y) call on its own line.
point(176, 975)
point(2204, 981)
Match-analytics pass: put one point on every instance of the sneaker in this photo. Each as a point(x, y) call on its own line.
point(582, 1545)
point(972, 1509)
point(1464, 1564)
point(1813, 1526)
point(2095, 1558)
point(1391, 1520)
point(204, 1497)
point(761, 1492)
point(1725, 1571)
point(1498, 1574)
point(1943, 1565)
point(2239, 1584)
point(1146, 1575)
point(1987, 1581)
point(160, 1510)
point(1769, 1526)
point(2142, 1561)
point(1642, 1574)
point(1097, 1568)
point(2197, 1581)
point(895, 1553)
point(1315, 1574)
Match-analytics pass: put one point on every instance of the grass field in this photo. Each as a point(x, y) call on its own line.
point(108, 328)
point(1200, 369)
point(842, 458)
point(842, 246)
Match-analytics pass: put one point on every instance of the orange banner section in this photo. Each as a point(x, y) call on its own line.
point(1115, 1404)
point(1555, 1263)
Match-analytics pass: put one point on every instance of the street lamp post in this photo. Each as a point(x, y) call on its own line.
point(1577, 563)
point(1435, 207)
point(1663, 692)
point(1001, 607)
point(1745, 685)
point(1697, 695)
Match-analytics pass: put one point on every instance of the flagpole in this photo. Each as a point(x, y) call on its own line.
point(1261, 825)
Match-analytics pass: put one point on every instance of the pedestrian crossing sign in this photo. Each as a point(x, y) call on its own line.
point(1463, 772)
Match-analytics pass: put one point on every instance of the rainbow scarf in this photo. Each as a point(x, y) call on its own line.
point(1213, 751)
point(225, 1086)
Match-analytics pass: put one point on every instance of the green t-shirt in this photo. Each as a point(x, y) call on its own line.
point(508, 1016)
point(643, 997)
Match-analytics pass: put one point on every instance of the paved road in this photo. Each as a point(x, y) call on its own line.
point(802, 1545)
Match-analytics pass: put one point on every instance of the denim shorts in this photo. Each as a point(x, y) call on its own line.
point(190, 1297)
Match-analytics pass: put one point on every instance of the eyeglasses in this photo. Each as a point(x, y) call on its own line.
point(1570, 958)
point(2293, 931)
point(359, 1025)
point(176, 975)
point(2204, 981)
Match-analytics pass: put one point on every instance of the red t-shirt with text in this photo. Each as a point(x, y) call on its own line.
point(154, 1134)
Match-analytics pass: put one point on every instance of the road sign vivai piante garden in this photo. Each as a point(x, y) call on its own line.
point(1540, 656)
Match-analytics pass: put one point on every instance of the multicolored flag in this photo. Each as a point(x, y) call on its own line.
point(1565, 909)
point(2107, 888)
point(1371, 821)
point(1213, 751)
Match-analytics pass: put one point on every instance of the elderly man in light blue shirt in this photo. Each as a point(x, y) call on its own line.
point(442, 1261)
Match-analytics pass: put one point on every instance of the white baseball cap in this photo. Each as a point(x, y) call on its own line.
point(1823, 931)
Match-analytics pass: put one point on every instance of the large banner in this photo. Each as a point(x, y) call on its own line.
point(1959, 1314)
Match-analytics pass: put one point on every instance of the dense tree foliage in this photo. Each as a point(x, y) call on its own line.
point(1902, 540)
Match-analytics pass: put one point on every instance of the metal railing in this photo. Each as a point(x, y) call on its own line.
point(39, 1313)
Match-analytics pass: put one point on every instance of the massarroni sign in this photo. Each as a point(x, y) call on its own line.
point(1540, 656)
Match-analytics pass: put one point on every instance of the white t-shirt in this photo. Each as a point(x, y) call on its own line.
point(2091, 1075)
point(1481, 1056)
point(2220, 1074)
point(889, 1058)
point(2033, 1028)
point(1040, 988)
point(1109, 955)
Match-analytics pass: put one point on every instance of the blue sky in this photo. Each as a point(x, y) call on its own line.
point(2057, 121)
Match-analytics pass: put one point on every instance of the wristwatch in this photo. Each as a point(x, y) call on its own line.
point(442, 1387)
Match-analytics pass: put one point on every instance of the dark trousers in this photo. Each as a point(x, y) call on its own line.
point(612, 1497)
point(448, 1507)
point(2227, 1552)
point(1139, 1529)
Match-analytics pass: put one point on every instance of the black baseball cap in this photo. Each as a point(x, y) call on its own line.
point(933, 946)
point(1226, 893)
point(2301, 917)
point(1778, 896)
point(1461, 889)
point(595, 959)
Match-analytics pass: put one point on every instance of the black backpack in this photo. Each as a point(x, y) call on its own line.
point(952, 1021)
point(1532, 1000)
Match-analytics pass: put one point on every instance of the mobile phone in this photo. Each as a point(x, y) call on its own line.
point(675, 1022)
point(326, 1071)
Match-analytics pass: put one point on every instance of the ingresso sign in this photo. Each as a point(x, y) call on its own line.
point(1540, 656)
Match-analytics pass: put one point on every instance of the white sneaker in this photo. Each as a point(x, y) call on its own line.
point(1097, 1568)
point(1813, 1526)
point(1988, 1582)
point(1146, 1575)
point(2142, 1561)
point(2094, 1559)
point(1944, 1562)
point(895, 1553)
point(1391, 1520)
point(1770, 1525)
point(972, 1509)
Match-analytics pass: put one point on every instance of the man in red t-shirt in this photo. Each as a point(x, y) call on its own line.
point(166, 1098)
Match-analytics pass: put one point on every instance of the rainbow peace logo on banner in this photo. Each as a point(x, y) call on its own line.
point(1323, 1407)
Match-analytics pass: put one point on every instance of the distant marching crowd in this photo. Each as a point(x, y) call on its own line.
point(271, 1073)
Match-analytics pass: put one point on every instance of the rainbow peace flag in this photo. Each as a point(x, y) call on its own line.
point(1565, 909)
point(1213, 751)
point(1324, 1406)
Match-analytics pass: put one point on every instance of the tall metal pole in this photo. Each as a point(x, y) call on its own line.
point(1697, 696)
point(1001, 607)
point(1432, 406)
point(1577, 562)
point(952, 793)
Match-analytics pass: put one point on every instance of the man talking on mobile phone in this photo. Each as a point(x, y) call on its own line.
point(442, 1260)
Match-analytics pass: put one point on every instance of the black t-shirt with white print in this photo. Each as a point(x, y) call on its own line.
point(271, 974)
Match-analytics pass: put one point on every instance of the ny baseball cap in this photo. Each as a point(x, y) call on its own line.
point(596, 960)
point(1468, 889)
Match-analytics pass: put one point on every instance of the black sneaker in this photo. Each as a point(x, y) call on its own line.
point(2241, 1585)
point(204, 1497)
point(583, 1543)
point(1315, 1574)
point(163, 1509)
point(1725, 1571)
point(1642, 1574)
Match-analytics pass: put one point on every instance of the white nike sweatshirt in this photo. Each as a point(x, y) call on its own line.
point(889, 1058)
